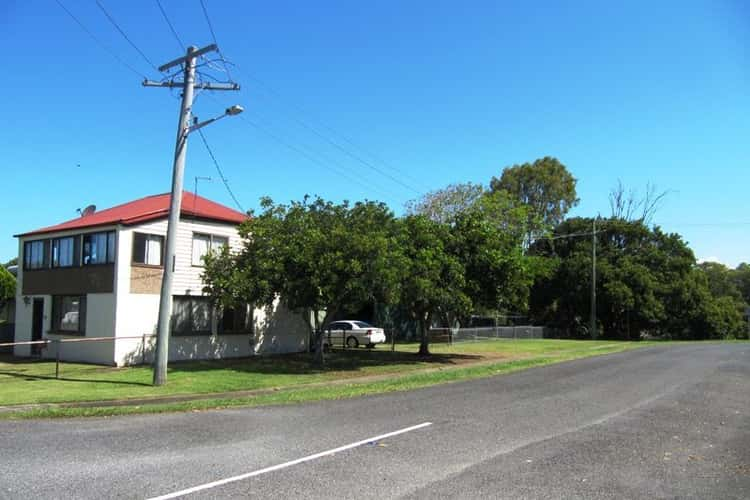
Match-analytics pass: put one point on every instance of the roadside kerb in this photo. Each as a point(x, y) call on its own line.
point(181, 398)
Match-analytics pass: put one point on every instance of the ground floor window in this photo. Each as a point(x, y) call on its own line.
point(235, 320)
point(69, 314)
point(191, 315)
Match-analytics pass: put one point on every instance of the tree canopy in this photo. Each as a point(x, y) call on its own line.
point(432, 281)
point(317, 257)
point(444, 205)
point(545, 187)
point(7, 286)
point(647, 283)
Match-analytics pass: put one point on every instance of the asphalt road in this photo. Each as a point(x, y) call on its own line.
point(662, 422)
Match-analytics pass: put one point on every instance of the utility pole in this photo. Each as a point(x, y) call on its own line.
point(188, 85)
point(593, 282)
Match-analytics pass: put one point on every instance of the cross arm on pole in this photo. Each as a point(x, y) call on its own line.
point(201, 85)
point(194, 54)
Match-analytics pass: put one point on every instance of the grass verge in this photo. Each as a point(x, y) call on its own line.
point(348, 374)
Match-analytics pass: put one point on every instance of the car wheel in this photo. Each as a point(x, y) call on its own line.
point(370, 346)
point(352, 342)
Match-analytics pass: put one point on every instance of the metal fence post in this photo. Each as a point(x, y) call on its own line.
point(143, 349)
point(57, 358)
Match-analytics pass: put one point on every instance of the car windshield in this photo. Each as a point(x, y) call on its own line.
point(362, 324)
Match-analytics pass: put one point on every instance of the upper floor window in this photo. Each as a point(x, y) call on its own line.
point(98, 248)
point(35, 254)
point(63, 252)
point(204, 243)
point(148, 249)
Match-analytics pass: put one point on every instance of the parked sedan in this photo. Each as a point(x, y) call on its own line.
point(354, 333)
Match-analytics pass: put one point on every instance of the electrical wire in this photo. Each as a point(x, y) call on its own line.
point(300, 111)
point(171, 27)
point(117, 26)
point(213, 36)
point(312, 129)
point(100, 43)
point(326, 163)
point(218, 169)
point(275, 137)
point(299, 150)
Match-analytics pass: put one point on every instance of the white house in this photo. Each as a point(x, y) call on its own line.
point(100, 275)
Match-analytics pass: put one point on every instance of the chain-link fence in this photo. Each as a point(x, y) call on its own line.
point(451, 335)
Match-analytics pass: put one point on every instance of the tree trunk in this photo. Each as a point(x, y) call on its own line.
point(424, 341)
point(318, 356)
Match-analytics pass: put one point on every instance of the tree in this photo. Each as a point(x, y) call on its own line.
point(444, 205)
point(741, 278)
point(545, 187)
point(487, 240)
point(7, 286)
point(647, 283)
point(11, 262)
point(628, 206)
point(432, 281)
point(318, 257)
point(720, 279)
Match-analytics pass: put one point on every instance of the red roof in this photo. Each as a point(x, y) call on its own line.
point(148, 209)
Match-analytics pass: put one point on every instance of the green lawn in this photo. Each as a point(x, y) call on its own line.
point(28, 382)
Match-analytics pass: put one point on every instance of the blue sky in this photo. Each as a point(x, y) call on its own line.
point(428, 92)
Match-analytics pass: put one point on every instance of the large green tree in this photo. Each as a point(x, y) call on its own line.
point(721, 280)
point(545, 187)
point(647, 283)
point(741, 278)
point(487, 240)
point(7, 286)
point(432, 281)
point(318, 257)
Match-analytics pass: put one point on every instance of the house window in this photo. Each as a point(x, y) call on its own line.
point(148, 249)
point(235, 320)
point(35, 254)
point(69, 314)
point(204, 243)
point(98, 248)
point(191, 315)
point(63, 252)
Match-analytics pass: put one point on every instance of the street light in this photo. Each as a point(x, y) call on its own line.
point(231, 111)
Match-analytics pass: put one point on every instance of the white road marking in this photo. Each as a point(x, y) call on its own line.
point(308, 458)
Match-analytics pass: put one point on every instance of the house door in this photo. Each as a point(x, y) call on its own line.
point(37, 322)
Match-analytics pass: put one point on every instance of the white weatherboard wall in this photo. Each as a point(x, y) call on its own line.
point(137, 314)
point(23, 311)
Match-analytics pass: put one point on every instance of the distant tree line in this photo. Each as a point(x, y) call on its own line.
point(467, 248)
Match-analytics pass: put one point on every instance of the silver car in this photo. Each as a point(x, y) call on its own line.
point(352, 332)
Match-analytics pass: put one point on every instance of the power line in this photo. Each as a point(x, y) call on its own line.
point(353, 155)
point(312, 158)
point(306, 125)
point(326, 163)
point(117, 26)
point(100, 43)
point(218, 169)
point(169, 23)
point(213, 35)
point(702, 224)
